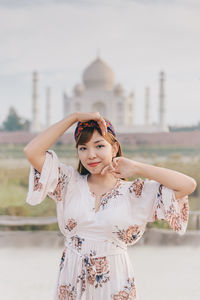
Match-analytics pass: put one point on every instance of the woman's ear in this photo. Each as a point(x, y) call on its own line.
point(115, 148)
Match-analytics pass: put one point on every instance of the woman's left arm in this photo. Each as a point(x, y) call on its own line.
point(181, 184)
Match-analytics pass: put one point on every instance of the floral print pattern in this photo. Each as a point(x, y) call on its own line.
point(37, 186)
point(82, 279)
point(77, 242)
point(128, 235)
point(184, 212)
point(67, 292)
point(109, 195)
point(128, 292)
point(95, 270)
point(62, 179)
point(175, 217)
point(137, 187)
point(98, 271)
point(71, 223)
point(160, 196)
point(62, 259)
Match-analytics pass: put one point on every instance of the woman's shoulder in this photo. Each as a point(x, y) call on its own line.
point(71, 170)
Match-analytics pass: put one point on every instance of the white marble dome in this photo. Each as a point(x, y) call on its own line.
point(98, 75)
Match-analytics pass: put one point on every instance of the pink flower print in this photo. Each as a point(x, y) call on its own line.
point(174, 221)
point(37, 186)
point(62, 181)
point(97, 270)
point(122, 296)
point(77, 242)
point(128, 292)
point(128, 235)
point(67, 292)
point(133, 292)
point(184, 212)
point(71, 224)
point(137, 187)
point(131, 231)
point(101, 264)
point(91, 275)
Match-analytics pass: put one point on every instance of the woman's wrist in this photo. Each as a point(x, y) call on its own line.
point(74, 117)
point(136, 167)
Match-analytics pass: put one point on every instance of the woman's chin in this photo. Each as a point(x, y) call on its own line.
point(96, 171)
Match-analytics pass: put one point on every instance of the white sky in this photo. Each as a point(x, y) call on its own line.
point(137, 39)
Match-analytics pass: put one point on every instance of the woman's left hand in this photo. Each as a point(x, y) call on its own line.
point(120, 167)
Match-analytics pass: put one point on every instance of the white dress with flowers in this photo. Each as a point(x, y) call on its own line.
point(94, 263)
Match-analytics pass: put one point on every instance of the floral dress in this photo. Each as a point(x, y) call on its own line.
point(94, 263)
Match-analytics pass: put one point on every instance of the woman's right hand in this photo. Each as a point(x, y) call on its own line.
point(84, 117)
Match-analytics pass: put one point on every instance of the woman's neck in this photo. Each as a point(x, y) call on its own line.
point(102, 180)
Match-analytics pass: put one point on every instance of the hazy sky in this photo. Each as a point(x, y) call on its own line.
point(137, 39)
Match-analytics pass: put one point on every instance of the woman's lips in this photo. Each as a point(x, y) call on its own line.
point(93, 164)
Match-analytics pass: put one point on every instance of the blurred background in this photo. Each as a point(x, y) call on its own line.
point(137, 63)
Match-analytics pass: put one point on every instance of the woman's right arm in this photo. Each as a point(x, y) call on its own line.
point(35, 150)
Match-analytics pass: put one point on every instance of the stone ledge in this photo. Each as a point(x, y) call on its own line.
point(154, 236)
point(54, 239)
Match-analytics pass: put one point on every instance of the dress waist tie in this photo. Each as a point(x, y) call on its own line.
point(93, 253)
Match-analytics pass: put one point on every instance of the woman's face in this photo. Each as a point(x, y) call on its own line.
point(97, 150)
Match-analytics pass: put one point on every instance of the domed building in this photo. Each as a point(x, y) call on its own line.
point(98, 75)
point(99, 92)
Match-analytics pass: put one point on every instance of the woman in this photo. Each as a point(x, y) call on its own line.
point(99, 212)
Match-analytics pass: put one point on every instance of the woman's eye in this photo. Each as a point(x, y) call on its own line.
point(83, 148)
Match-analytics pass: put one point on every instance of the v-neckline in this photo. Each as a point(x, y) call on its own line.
point(102, 196)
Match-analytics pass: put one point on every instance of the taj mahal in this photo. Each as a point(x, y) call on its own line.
point(99, 92)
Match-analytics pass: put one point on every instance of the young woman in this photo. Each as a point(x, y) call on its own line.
point(99, 212)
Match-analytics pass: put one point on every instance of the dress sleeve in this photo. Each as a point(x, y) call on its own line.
point(159, 203)
point(52, 180)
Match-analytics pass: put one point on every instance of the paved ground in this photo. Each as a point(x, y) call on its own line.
point(162, 273)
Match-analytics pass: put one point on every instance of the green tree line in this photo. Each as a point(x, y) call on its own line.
point(14, 122)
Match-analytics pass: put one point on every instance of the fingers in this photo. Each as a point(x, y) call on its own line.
point(102, 125)
point(112, 171)
point(106, 169)
point(83, 117)
point(115, 161)
point(109, 168)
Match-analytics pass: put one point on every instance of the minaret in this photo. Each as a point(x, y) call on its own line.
point(48, 107)
point(66, 105)
point(147, 106)
point(131, 110)
point(162, 111)
point(35, 109)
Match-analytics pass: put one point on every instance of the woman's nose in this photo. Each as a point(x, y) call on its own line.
point(91, 154)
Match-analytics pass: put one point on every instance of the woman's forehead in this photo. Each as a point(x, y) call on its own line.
point(96, 134)
point(96, 138)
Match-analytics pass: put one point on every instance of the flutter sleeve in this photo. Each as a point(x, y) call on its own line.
point(52, 181)
point(165, 206)
point(159, 203)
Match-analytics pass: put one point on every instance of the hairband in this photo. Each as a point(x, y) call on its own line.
point(81, 125)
